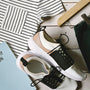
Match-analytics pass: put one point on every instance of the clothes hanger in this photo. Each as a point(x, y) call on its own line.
point(81, 4)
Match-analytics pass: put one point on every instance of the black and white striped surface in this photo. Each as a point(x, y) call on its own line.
point(19, 20)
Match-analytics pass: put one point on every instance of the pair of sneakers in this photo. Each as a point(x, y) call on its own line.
point(46, 59)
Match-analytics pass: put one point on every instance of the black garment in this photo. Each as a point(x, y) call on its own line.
point(82, 31)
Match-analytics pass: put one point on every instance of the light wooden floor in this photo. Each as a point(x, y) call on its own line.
point(54, 31)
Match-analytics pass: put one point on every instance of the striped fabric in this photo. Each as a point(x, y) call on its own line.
point(19, 20)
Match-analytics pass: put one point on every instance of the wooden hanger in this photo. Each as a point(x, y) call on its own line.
point(72, 11)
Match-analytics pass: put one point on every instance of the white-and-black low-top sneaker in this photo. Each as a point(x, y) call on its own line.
point(55, 54)
point(41, 71)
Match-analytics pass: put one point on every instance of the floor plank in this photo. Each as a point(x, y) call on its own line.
point(70, 34)
point(70, 1)
point(78, 59)
point(74, 20)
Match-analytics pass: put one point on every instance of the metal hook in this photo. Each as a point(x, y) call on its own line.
point(86, 18)
point(35, 82)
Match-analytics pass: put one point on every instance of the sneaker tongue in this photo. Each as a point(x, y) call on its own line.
point(47, 44)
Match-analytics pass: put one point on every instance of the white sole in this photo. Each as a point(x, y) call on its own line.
point(33, 46)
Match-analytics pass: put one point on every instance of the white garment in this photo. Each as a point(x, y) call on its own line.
point(19, 20)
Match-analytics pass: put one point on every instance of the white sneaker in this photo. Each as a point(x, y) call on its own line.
point(33, 65)
point(55, 54)
point(43, 72)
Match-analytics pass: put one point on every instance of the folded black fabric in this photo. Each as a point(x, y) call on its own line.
point(82, 31)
